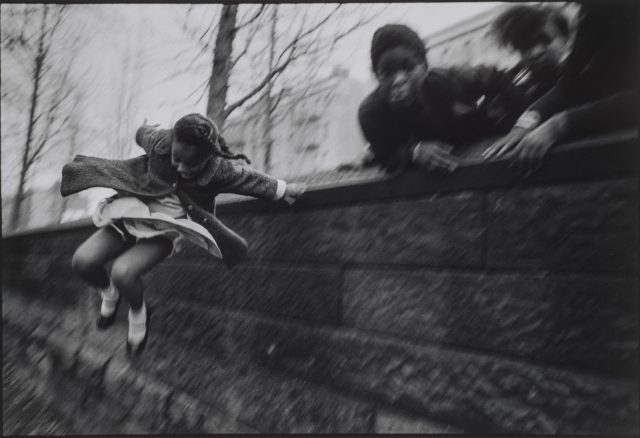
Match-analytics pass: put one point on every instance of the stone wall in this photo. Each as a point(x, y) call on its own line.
point(480, 302)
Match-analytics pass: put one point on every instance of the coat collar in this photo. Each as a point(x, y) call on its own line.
point(163, 147)
point(209, 171)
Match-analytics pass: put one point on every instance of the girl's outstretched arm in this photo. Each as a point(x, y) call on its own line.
point(251, 182)
point(293, 192)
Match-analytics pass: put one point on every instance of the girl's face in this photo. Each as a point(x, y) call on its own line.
point(188, 160)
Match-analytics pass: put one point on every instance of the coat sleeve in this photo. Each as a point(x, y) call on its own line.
point(246, 181)
point(388, 137)
point(480, 80)
point(611, 113)
point(596, 36)
point(149, 137)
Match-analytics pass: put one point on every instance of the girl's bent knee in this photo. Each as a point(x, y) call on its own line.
point(123, 276)
point(82, 264)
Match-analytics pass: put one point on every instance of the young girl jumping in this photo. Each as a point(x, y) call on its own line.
point(164, 198)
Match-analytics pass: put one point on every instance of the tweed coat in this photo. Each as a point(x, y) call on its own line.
point(152, 175)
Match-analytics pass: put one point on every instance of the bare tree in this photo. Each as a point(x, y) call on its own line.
point(128, 89)
point(306, 34)
point(222, 64)
point(269, 101)
point(74, 132)
point(48, 110)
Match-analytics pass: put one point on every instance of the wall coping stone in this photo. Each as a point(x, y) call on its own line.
point(607, 156)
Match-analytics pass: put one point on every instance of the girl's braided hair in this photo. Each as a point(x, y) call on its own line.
point(201, 131)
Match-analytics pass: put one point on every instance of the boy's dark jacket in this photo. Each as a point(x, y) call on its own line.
point(151, 175)
point(598, 84)
point(460, 105)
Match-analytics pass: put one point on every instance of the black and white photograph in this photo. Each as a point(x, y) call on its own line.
point(320, 218)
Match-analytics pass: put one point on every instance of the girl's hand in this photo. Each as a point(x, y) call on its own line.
point(144, 123)
point(293, 192)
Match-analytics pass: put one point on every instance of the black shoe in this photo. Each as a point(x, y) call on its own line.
point(104, 322)
point(136, 350)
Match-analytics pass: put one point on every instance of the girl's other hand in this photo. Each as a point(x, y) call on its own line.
point(294, 191)
point(144, 123)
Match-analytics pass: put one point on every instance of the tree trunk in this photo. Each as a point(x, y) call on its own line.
point(268, 120)
point(219, 81)
point(39, 61)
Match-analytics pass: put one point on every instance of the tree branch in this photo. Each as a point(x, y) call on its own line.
point(198, 88)
point(277, 100)
point(252, 19)
point(257, 88)
point(246, 47)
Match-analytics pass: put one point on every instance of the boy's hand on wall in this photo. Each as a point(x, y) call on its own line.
point(506, 144)
point(434, 155)
point(294, 191)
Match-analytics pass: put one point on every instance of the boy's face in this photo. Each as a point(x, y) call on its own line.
point(546, 51)
point(188, 160)
point(399, 72)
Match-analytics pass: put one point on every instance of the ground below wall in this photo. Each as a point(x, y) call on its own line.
point(38, 400)
point(77, 372)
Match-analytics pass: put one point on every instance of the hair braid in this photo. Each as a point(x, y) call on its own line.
point(225, 152)
point(201, 130)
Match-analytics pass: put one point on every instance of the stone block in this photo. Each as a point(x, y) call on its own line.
point(46, 278)
point(479, 393)
point(444, 231)
point(587, 321)
point(198, 328)
point(91, 364)
point(264, 401)
point(61, 244)
point(215, 424)
point(590, 227)
point(308, 292)
point(64, 351)
point(119, 383)
point(394, 422)
point(303, 291)
point(152, 402)
point(185, 414)
point(196, 279)
point(190, 415)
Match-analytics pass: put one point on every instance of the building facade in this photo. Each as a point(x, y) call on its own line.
point(312, 131)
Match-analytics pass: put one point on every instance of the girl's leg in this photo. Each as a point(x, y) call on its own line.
point(90, 258)
point(128, 268)
point(126, 275)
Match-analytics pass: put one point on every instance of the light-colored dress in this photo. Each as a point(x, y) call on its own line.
point(162, 216)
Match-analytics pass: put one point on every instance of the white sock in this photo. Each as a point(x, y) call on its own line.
point(137, 324)
point(109, 300)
